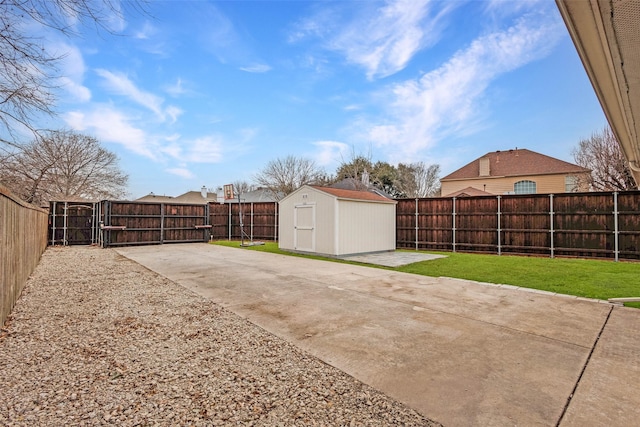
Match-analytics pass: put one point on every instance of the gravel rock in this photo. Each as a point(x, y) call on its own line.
point(96, 339)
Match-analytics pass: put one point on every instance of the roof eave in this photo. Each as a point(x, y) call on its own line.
point(590, 25)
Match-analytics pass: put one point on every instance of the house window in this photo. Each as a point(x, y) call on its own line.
point(570, 184)
point(524, 187)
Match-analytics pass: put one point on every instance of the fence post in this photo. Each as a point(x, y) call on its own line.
point(551, 229)
point(162, 222)
point(275, 227)
point(616, 232)
point(251, 227)
point(53, 224)
point(416, 218)
point(454, 225)
point(499, 214)
point(229, 221)
point(64, 224)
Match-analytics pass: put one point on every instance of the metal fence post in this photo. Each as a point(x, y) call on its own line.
point(275, 226)
point(416, 218)
point(454, 225)
point(499, 214)
point(551, 229)
point(229, 221)
point(616, 231)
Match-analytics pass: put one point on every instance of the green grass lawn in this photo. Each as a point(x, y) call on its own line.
point(580, 277)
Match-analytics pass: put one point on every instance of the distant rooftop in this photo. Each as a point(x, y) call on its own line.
point(515, 162)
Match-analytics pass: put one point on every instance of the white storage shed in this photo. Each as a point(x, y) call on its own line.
point(336, 222)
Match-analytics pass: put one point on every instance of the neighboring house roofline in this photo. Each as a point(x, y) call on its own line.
point(513, 163)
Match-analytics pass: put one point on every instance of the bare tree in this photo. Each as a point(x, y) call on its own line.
point(27, 69)
point(63, 165)
point(609, 168)
point(242, 187)
point(418, 179)
point(283, 176)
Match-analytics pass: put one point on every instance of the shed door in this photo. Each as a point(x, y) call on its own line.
point(304, 224)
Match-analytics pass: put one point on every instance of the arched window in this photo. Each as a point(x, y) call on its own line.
point(524, 187)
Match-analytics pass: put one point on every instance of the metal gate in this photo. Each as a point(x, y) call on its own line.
point(72, 223)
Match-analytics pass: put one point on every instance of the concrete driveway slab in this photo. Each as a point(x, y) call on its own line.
point(460, 352)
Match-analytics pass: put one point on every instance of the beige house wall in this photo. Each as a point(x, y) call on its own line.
point(503, 185)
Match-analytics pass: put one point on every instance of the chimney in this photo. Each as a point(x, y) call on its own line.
point(484, 167)
point(203, 192)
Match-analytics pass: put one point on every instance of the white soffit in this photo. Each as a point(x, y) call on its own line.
point(606, 34)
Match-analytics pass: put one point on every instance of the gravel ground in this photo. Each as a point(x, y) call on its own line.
point(96, 339)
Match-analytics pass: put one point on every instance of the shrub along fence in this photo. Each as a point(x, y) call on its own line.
point(23, 238)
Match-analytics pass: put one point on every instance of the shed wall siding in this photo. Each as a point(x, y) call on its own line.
point(365, 227)
point(324, 220)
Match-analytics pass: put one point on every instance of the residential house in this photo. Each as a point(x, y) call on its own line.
point(517, 171)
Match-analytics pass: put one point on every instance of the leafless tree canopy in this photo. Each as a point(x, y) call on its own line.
point(27, 69)
point(283, 176)
point(242, 187)
point(63, 165)
point(609, 168)
point(418, 179)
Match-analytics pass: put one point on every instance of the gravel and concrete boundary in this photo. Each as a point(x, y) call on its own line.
point(96, 339)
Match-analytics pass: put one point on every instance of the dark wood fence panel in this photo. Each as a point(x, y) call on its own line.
point(476, 225)
point(587, 225)
point(525, 224)
point(629, 225)
point(139, 223)
point(259, 220)
point(584, 225)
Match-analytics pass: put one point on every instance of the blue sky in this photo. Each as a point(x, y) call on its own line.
point(206, 93)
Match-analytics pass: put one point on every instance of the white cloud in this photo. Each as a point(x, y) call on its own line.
point(146, 32)
point(176, 89)
point(72, 69)
point(330, 152)
point(181, 172)
point(122, 85)
point(111, 125)
point(174, 113)
point(447, 100)
point(256, 68)
point(207, 149)
point(381, 40)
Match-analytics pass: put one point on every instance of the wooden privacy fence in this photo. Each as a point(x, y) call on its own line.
point(121, 223)
point(136, 223)
point(260, 220)
point(590, 225)
point(23, 238)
